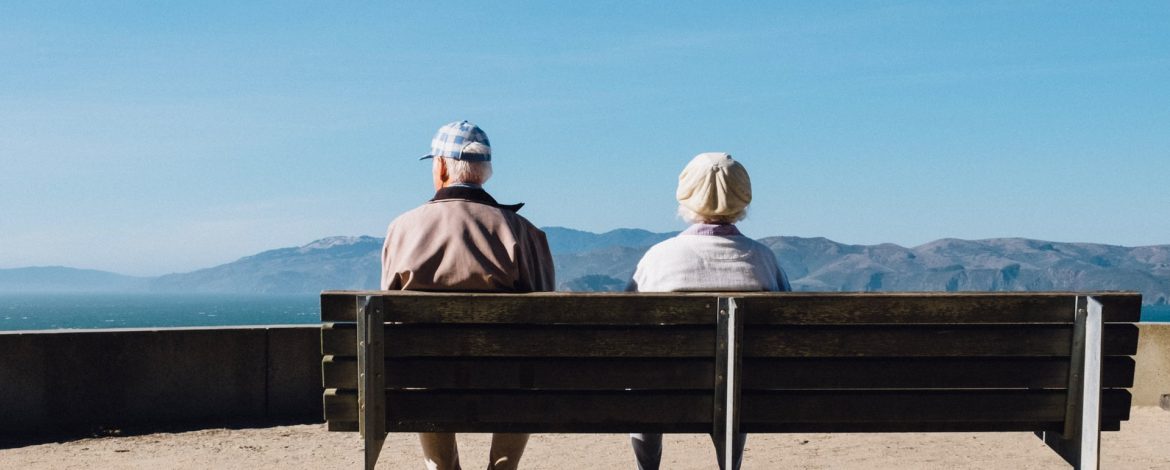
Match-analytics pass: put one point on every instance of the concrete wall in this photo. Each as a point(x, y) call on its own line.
point(1152, 377)
point(85, 381)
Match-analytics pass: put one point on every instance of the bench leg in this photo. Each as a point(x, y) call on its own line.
point(1080, 442)
point(727, 367)
point(371, 334)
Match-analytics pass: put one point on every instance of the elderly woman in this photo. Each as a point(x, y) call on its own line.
point(711, 255)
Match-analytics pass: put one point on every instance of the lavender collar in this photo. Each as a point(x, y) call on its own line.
point(722, 230)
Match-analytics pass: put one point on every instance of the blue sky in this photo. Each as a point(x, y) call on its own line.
point(156, 137)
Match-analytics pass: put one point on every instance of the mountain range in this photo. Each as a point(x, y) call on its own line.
point(588, 261)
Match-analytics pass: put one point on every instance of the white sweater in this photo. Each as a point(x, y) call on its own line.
point(709, 258)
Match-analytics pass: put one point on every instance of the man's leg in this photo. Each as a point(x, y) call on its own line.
point(507, 448)
point(647, 450)
point(737, 452)
point(440, 450)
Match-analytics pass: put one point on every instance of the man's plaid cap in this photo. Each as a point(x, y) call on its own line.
point(455, 141)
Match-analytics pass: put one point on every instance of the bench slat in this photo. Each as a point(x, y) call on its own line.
point(922, 373)
point(697, 374)
point(794, 411)
point(534, 373)
point(698, 341)
point(558, 340)
point(769, 308)
point(785, 411)
point(927, 340)
point(544, 308)
point(922, 308)
point(440, 411)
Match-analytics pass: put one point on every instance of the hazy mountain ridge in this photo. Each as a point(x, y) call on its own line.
point(588, 261)
point(329, 263)
point(37, 279)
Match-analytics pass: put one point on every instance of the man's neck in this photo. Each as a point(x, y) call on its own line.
point(463, 185)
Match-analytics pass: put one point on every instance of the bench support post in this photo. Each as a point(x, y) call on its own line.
point(1080, 442)
point(371, 333)
point(727, 367)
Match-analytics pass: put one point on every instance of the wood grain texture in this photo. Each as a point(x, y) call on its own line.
point(625, 411)
point(696, 374)
point(550, 341)
point(339, 372)
point(936, 308)
point(814, 362)
point(535, 373)
point(775, 307)
point(922, 373)
point(699, 341)
point(776, 410)
point(926, 340)
point(795, 411)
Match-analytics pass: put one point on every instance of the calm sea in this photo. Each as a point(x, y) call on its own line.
point(54, 311)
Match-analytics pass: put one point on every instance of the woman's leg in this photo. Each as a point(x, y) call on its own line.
point(439, 450)
point(507, 448)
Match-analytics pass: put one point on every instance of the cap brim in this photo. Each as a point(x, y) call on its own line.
point(424, 157)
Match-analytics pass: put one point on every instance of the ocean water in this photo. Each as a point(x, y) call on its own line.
point(55, 311)
point(1160, 313)
point(74, 311)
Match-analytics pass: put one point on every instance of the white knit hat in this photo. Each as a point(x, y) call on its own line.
point(714, 184)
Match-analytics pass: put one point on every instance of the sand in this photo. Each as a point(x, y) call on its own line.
point(1143, 443)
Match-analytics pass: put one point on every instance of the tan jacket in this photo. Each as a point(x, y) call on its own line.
point(464, 241)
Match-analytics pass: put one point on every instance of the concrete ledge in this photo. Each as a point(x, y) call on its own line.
point(1152, 377)
point(81, 381)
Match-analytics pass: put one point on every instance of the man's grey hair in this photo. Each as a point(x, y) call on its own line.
point(461, 171)
point(695, 218)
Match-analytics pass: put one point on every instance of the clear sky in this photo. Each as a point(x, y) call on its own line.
point(155, 137)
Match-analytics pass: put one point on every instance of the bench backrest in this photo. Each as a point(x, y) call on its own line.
point(698, 362)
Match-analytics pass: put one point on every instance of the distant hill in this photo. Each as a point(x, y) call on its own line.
point(590, 262)
point(61, 279)
point(329, 263)
point(999, 264)
point(566, 240)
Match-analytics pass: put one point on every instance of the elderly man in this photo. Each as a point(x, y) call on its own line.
point(463, 240)
point(711, 255)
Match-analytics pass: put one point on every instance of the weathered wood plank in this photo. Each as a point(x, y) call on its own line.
point(595, 309)
point(625, 411)
point(783, 308)
point(537, 307)
point(543, 411)
point(342, 426)
point(340, 405)
point(922, 373)
point(536, 373)
point(339, 339)
point(339, 372)
point(937, 308)
point(696, 374)
point(775, 411)
point(338, 306)
point(759, 340)
point(889, 411)
point(550, 341)
point(926, 340)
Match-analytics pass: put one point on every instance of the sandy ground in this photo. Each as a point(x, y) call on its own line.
point(1143, 443)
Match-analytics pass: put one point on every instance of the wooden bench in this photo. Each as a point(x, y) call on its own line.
point(1056, 364)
